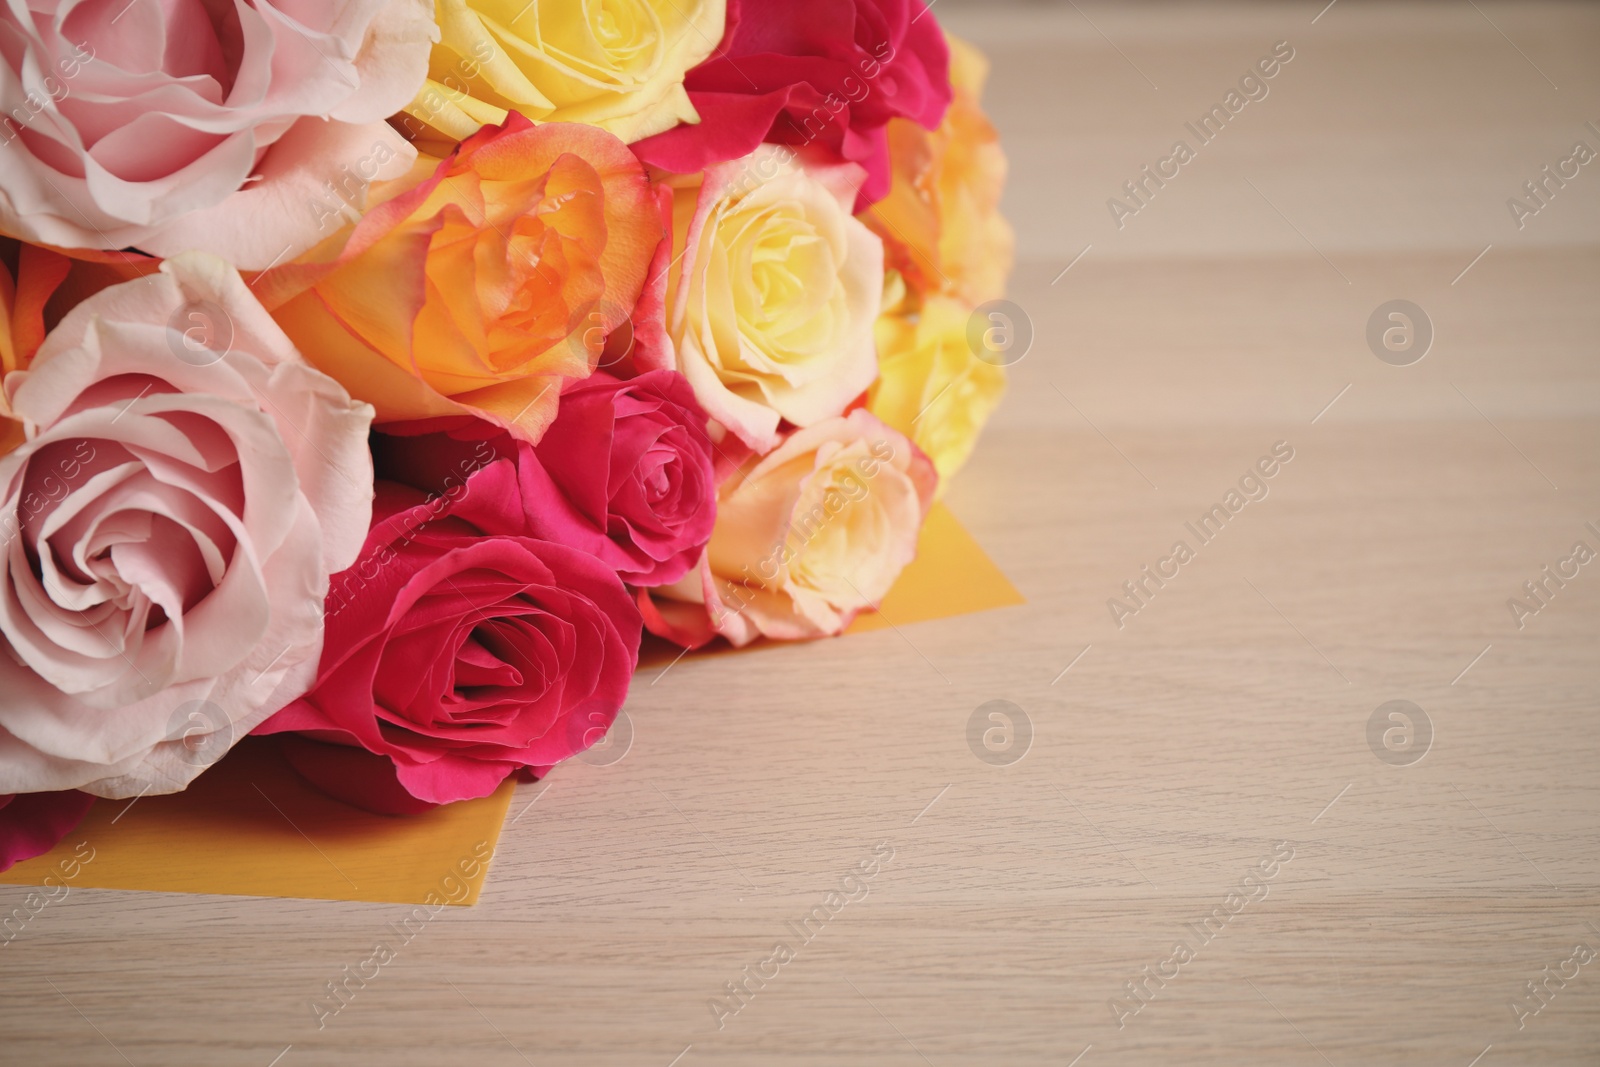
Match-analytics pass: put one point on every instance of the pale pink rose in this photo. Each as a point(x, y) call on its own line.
point(807, 536)
point(250, 129)
point(167, 528)
point(771, 305)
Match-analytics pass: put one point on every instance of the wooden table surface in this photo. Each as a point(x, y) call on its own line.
point(1222, 730)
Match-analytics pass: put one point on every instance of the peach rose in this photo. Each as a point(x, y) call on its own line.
point(772, 304)
point(483, 281)
point(183, 124)
point(167, 529)
point(941, 222)
point(807, 536)
point(931, 387)
point(618, 65)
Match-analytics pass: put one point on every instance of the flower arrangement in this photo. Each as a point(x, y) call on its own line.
point(377, 372)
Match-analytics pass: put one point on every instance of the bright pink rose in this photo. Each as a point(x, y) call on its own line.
point(830, 72)
point(34, 823)
point(624, 472)
point(248, 129)
point(461, 648)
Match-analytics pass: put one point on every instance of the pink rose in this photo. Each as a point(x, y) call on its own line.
point(808, 536)
point(462, 648)
point(248, 129)
point(624, 473)
point(186, 485)
point(831, 73)
point(34, 823)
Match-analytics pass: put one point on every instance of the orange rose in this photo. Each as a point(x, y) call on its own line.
point(10, 360)
point(480, 280)
point(22, 326)
point(941, 222)
point(38, 285)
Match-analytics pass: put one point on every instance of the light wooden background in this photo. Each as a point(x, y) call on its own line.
point(1227, 716)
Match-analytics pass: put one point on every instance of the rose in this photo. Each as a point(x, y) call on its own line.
point(21, 330)
point(931, 386)
point(34, 823)
point(24, 291)
point(771, 305)
point(465, 649)
point(177, 125)
point(624, 472)
point(39, 285)
point(29, 278)
point(493, 274)
point(941, 223)
point(34, 279)
point(830, 73)
point(617, 65)
point(807, 536)
point(168, 528)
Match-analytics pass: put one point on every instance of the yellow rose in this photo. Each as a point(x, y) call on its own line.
point(775, 290)
point(941, 222)
point(616, 64)
point(931, 387)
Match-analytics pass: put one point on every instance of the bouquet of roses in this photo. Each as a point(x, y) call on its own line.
point(377, 371)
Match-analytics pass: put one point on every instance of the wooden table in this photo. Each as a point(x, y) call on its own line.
point(1220, 730)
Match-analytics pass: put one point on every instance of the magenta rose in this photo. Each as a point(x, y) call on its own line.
point(624, 473)
point(461, 648)
point(831, 73)
point(32, 824)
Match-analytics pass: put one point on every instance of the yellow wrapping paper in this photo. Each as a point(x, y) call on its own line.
point(251, 827)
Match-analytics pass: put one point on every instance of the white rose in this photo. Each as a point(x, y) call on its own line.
point(777, 286)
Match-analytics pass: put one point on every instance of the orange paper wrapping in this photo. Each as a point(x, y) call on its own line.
point(251, 827)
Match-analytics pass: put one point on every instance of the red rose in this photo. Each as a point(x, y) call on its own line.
point(624, 473)
point(461, 648)
point(831, 72)
point(32, 824)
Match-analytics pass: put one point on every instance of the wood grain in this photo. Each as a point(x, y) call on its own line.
point(1228, 715)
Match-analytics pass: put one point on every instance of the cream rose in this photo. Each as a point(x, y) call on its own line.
point(813, 532)
point(241, 129)
point(186, 486)
point(616, 64)
point(772, 302)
